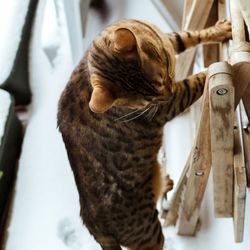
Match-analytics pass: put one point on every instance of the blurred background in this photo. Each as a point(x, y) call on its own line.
point(41, 43)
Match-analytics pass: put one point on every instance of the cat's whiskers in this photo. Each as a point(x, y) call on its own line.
point(131, 113)
point(152, 112)
point(137, 116)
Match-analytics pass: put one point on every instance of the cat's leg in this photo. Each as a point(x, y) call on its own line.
point(162, 183)
point(158, 182)
point(153, 238)
point(185, 93)
point(107, 242)
point(168, 185)
point(185, 39)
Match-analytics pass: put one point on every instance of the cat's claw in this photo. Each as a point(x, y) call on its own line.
point(223, 30)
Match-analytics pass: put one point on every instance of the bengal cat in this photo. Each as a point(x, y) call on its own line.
point(111, 116)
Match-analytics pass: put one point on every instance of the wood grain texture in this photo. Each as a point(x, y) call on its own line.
point(246, 141)
point(222, 14)
point(240, 183)
point(241, 80)
point(238, 29)
point(171, 215)
point(211, 51)
point(222, 143)
point(221, 93)
point(245, 10)
point(186, 10)
point(200, 165)
point(239, 52)
point(196, 15)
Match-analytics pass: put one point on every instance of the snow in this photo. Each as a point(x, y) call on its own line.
point(10, 33)
point(5, 103)
point(46, 209)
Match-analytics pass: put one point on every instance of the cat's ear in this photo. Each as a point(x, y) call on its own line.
point(101, 99)
point(124, 41)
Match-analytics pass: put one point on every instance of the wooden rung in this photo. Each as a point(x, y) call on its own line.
point(221, 93)
point(246, 140)
point(239, 52)
point(186, 11)
point(238, 28)
point(244, 6)
point(196, 15)
point(184, 64)
point(222, 13)
point(246, 101)
point(211, 51)
point(240, 183)
point(222, 10)
point(200, 165)
point(241, 79)
point(173, 208)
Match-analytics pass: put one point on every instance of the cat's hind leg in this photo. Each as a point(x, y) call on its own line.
point(107, 242)
point(183, 40)
point(168, 185)
point(158, 182)
point(162, 183)
point(152, 239)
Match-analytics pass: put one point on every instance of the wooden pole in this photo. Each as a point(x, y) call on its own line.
point(200, 165)
point(240, 53)
point(239, 49)
point(242, 87)
point(171, 214)
point(246, 141)
point(238, 29)
point(221, 92)
point(196, 15)
point(222, 14)
point(211, 51)
point(240, 181)
point(245, 10)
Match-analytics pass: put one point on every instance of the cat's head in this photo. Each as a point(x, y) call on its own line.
point(131, 63)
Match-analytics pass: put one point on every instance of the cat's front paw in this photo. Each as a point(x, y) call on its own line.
point(223, 30)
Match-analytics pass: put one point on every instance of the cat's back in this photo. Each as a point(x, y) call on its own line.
point(112, 162)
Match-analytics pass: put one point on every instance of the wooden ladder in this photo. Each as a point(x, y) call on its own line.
point(222, 142)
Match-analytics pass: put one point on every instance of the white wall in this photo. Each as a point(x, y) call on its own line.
point(46, 208)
